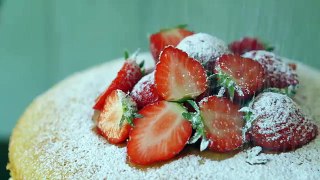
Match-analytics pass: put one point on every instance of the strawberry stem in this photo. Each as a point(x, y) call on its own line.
point(227, 83)
point(126, 54)
point(249, 117)
point(129, 109)
point(268, 47)
point(180, 26)
point(289, 91)
point(197, 124)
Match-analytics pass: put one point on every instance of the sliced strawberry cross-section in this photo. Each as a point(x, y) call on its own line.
point(242, 77)
point(159, 135)
point(223, 123)
point(116, 118)
point(166, 37)
point(179, 77)
point(129, 74)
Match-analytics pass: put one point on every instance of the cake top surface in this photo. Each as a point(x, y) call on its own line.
point(63, 144)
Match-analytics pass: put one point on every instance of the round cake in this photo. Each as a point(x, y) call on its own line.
point(56, 139)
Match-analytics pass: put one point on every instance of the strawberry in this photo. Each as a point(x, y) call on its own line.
point(145, 92)
point(127, 77)
point(242, 77)
point(159, 135)
point(223, 123)
point(166, 37)
point(277, 123)
point(204, 48)
point(115, 120)
point(178, 77)
point(278, 73)
point(248, 44)
point(218, 122)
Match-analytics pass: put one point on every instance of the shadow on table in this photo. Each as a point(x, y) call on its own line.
point(4, 174)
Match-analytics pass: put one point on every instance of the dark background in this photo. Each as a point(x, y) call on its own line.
point(4, 174)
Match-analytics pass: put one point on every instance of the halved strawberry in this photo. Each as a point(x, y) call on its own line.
point(217, 122)
point(115, 120)
point(159, 135)
point(129, 74)
point(177, 76)
point(277, 123)
point(145, 92)
point(223, 123)
point(166, 37)
point(242, 77)
point(248, 44)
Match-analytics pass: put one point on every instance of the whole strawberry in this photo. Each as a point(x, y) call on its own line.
point(203, 47)
point(129, 74)
point(248, 44)
point(145, 91)
point(279, 74)
point(166, 37)
point(278, 123)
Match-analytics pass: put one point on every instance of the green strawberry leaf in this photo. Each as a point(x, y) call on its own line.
point(126, 54)
point(197, 124)
point(129, 109)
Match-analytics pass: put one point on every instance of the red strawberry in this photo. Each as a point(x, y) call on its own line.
point(145, 92)
point(248, 44)
point(127, 77)
point(203, 47)
point(159, 135)
point(242, 77)
point(222, 122)
point(278, 123)
point(177, 76)
point(278, 73)
point(115, 120)
point(166, 37)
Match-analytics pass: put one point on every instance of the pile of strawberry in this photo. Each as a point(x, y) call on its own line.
point(202, 91)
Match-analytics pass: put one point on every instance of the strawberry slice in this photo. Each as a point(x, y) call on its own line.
point(242, 77)
point(247, 44)
point(145, 92)
point(277, 123)
point(129, 74)
point(217, 122)
point(115, 120)
point(178, 77)
point(166, 37)
point(222, 122)
point(159, 135)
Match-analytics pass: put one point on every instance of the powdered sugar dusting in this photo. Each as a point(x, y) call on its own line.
point(275, 68)
point(277, 112)
point(203, 47)
point(66, 147)
point(143, 85)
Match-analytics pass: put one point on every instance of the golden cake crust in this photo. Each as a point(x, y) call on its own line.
point(54, 139)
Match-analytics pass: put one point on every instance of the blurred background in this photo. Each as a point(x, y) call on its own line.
point(43, 41)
